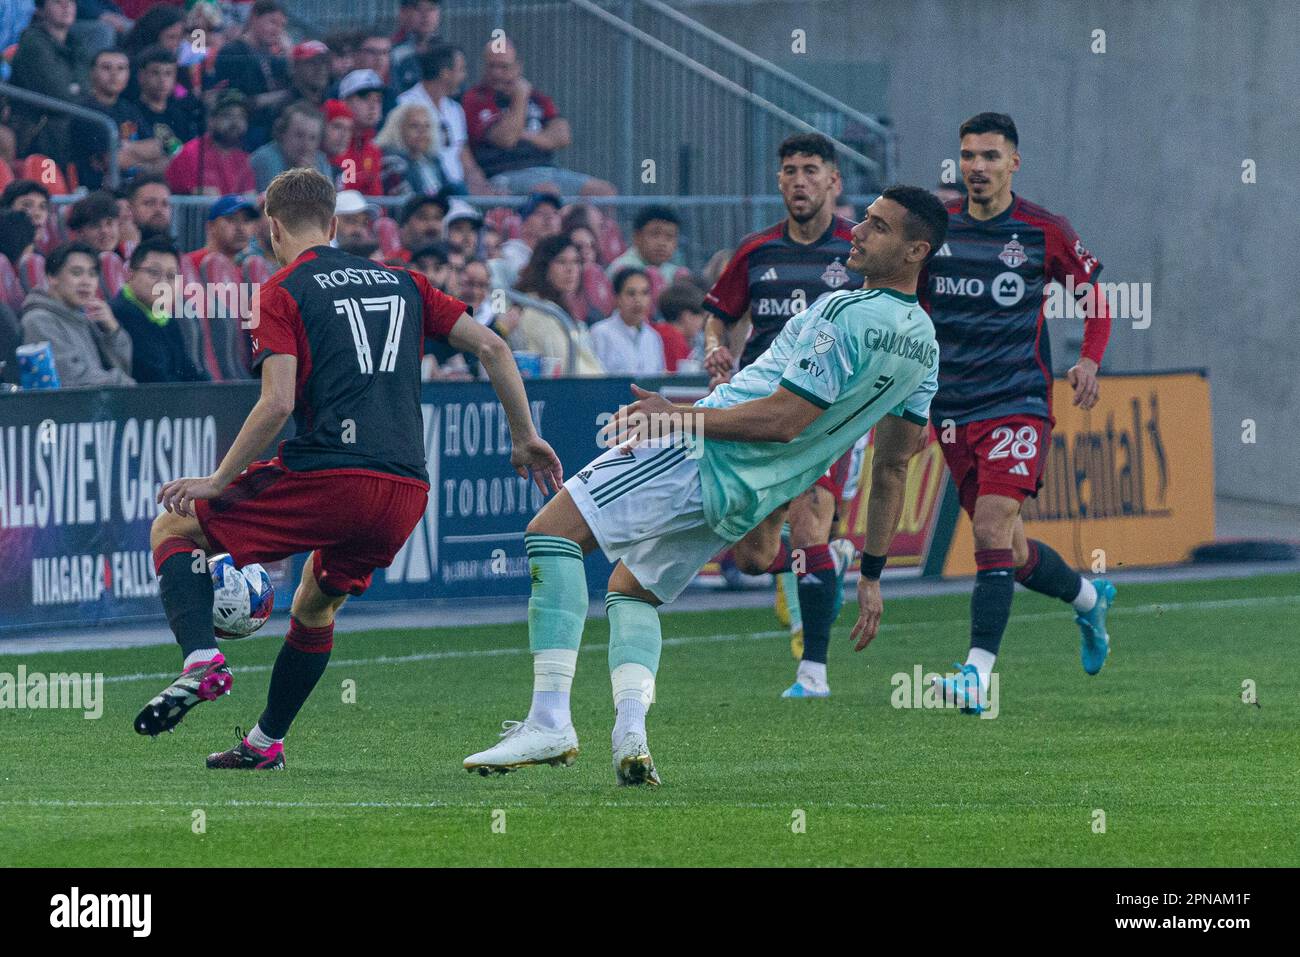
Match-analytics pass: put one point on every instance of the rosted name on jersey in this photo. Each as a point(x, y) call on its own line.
point(342, 277)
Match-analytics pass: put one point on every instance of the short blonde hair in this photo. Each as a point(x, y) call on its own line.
point(301, 197)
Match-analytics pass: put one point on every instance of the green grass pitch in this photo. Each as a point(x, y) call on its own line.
point(1161, 741)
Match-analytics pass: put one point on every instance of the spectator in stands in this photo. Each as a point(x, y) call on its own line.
point(17, 236)
point(434, 263)
point(98, 25)
point(682, 307)
point(420, 223)
point(173, 121)
point(109, 72)
point(356, 224)
point(410, 156)
point(93, 220)
point(597, 292)
point(90, 347)
point(343, 46)
point(160, 25)
point(51, 62)
point(17, 239)
point(260, 244)
point(515, 130)
point(422, 25)
point(214, 164)
point(374, 53)
point(443, 73)
point(461, 228)
point(8, 142)
point(126, 231)
point(539, 219)
point(362, 92)
point(297, 139)
point(655, 233)
point(309, 72)
point(231, 223)
point(30, 197)
point(158, 349)
point(626, 343)
point(151, 206)
point(553, 274)
point(15, 16)
point(475, 282)
point(337, 138)
point(256, 66)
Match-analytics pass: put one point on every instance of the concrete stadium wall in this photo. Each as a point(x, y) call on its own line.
point(1141, 147)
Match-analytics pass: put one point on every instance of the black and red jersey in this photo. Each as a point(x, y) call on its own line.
point(775, 277)
point(357, 329)
point(984, 290)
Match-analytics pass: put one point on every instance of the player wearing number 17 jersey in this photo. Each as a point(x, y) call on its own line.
point(337, 340)
point(661, 505)
point(993, 410)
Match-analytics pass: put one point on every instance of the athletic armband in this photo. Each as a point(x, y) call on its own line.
point(872, 566)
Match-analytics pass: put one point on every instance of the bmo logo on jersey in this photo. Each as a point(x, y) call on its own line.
point(781, 308)
point(1008, 288)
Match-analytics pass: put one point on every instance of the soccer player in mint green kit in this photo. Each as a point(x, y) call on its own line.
point(667, 498)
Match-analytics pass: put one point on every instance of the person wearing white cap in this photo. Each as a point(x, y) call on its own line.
point(356, 218)
point(461, 228)
point(363, 93)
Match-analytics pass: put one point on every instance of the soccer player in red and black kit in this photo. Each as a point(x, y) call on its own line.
point(775, 274)
point(993, 411)
point(337, 341)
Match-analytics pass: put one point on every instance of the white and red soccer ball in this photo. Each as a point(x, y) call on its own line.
point(242, 597)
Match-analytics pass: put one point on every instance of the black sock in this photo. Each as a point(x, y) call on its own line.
point(187, 600)
point(1046, 573)
point(300, 664)
point(990, 603)
point(817, 605)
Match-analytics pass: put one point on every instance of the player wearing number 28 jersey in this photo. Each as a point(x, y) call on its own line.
point(337, 341)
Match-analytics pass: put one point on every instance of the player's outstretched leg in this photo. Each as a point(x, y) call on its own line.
point(1046, 572)
point(990, 603)
point(298, 668)
point(635, 641)
point(557, 609)
point(185, 584)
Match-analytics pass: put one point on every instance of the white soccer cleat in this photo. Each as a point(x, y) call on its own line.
point(523, 743)
point(633, 765)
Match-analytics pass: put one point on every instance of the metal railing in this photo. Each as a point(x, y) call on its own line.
point(659, 104)
point(862, 133)
point(52, 104)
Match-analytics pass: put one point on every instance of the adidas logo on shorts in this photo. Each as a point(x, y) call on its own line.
point(1020, 468)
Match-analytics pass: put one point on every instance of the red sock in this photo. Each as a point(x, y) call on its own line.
point(169, 547)
point(782, 561)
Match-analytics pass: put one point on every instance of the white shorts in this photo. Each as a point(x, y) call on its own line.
point(645, 507)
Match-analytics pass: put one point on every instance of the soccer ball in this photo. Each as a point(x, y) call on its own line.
point(243, 597)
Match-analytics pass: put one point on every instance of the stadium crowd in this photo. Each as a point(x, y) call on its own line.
point(215, 99)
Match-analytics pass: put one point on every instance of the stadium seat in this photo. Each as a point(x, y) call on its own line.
point(31, 272)
point(610, 243)
point(112, 274)
point(6, 174)
point(504, 220)
point(45, 171)
point(389, 236)
point(11, 288)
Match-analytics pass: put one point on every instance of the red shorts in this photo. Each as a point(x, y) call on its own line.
point(1003, 456)
point(356, 520)
point(843, 475)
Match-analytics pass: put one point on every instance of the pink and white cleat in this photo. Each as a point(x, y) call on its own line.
point(202, 681)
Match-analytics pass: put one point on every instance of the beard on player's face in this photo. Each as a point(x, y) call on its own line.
point(809, 212)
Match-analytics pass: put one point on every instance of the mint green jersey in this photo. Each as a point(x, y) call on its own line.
point(859, 355)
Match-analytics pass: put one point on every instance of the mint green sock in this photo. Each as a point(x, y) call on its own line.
point(557, 607)
point(635, 641)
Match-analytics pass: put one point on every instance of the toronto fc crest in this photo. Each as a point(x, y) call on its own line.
point(835, 275)
point(1013, 254)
